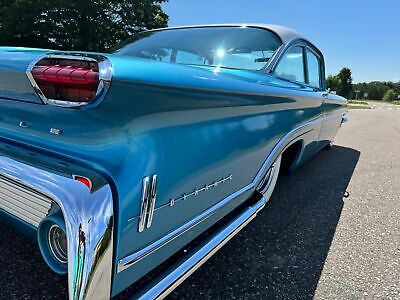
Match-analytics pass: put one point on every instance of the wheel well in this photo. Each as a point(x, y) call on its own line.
point(289, 156)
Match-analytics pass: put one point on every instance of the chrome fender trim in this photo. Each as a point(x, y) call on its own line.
point(89, 220)
point(267, 185)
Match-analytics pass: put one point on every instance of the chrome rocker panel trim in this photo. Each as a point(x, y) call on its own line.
point(89, 223)
point(173, 279)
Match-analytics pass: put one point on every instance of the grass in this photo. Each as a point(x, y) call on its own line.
point(356, 104)
point(395, 102)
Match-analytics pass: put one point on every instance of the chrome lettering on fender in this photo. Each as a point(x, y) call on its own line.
point(196, 192)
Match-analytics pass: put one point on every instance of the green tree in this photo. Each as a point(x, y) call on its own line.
point(346, 87)
point(93, 25)
point(389, 95)
point(333, 82)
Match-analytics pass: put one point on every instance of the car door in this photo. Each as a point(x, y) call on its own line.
point(315, 76)
point(331, 104)
point(295, 67)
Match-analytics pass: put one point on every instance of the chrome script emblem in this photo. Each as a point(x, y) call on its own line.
point(205, 188)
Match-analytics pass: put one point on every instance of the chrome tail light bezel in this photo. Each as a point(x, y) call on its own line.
point(105, 78)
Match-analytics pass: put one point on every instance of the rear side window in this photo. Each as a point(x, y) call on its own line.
point(291, 65)
point(314, 69)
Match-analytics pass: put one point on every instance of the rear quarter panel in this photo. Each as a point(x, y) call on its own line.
point(192, 127)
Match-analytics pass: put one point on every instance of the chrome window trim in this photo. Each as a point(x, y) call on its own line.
point(320, 61)
point(274, 61)
point(299, 44)
point(105, 77)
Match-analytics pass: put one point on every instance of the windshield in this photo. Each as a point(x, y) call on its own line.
point(231, 47)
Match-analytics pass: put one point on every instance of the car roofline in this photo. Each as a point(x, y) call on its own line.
point(287, 35)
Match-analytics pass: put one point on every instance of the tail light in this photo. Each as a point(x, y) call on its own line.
point(69, 80)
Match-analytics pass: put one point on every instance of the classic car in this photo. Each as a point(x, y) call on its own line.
point(132, 168)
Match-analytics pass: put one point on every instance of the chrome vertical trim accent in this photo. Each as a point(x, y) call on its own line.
point(153, 196)
point(89, 223)
point(144, 203)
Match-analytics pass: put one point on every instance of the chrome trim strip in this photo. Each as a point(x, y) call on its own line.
point(153, 196)
point(132, 259)
point(144, 203)
point(89, 221)
point(266, 180)
point(266, 189)
point(173, 279)
point(196, 192)
point(105, 76)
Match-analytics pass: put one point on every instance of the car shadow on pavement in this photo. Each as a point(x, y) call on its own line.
point(281, 254)
point(23, 272)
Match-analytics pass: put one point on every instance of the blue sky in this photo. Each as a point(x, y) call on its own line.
point(363, 35)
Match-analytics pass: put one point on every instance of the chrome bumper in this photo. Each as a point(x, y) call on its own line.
point(89, 224)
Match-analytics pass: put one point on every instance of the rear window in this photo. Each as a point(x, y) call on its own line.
point(231, 47)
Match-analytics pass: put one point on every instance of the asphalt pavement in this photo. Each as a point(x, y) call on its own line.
point(330, 231)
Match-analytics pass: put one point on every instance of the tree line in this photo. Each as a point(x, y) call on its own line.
point(375, 90)
point(101, 25)
point(75, 24)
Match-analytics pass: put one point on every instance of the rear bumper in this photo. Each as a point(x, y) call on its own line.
point(88, 218)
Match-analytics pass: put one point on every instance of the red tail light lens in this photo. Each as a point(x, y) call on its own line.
point(84, 180)
point(68, 81)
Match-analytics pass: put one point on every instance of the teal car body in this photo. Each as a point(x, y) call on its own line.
point(165, 153)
